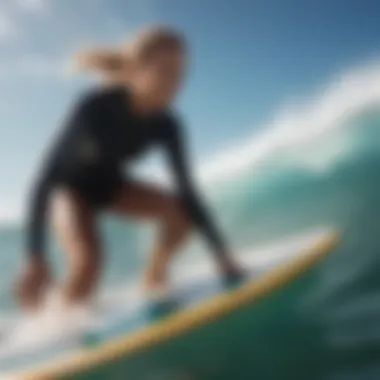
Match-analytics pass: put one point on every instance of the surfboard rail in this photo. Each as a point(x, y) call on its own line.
point(184, 321)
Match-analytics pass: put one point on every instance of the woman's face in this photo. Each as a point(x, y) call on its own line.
point(159, 78)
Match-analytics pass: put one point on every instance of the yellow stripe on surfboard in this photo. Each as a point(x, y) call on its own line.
point(185, 321)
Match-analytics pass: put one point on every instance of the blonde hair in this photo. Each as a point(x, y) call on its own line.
point(140, 48)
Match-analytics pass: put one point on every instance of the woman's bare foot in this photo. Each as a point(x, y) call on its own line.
point(156, 288)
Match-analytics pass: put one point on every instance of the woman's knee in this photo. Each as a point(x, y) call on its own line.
point(177, 217)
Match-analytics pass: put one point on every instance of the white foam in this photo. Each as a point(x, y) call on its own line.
point(53, 325)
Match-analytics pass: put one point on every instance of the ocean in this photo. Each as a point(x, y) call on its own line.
point(331, 179)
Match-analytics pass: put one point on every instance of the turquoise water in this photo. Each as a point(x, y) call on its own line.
point(292, 191)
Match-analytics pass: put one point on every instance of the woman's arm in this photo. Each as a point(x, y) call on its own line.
point(175, 146)
point(38, 202)
point(35, 277)
point(58, 156)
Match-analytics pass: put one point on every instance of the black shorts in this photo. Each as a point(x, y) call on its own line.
point(99, 191)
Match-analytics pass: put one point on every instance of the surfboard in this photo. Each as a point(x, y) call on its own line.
point(128, 325)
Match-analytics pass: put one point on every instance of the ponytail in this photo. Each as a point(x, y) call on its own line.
point(101, 61)
point(112, 63)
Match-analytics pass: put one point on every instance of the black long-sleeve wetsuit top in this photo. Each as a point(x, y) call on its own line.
point(101, 135)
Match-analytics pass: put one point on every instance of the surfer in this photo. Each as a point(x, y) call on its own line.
point(82, 175)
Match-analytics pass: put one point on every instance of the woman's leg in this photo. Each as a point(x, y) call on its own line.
point(74, 224)
point(147, 202)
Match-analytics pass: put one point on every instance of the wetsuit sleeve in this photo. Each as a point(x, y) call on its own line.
point(175, 146)
point(46, 178)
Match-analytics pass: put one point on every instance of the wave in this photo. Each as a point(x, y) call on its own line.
point(301, 133)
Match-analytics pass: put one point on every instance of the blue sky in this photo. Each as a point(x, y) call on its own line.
point(249, 58)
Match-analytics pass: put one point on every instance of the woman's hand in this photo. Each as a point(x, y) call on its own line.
point(33, 283)
point(230, 270)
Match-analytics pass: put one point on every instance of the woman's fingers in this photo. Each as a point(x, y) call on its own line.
point(32, 284)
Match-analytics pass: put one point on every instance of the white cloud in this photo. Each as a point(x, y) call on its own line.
point(32, 5)
point(7, 28)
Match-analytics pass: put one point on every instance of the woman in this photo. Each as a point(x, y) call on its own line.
point(111, 126)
